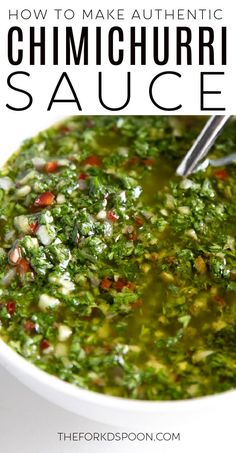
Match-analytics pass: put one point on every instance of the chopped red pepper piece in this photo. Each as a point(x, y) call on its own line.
point(132, 236)
point(11, 307)
point(120, 284)
point(219, 300)
point(64, 129)
point(93, 161)
point(105, 283)
point(221, 174)
point(149, 162)
point(51, 167)
point(44, 345)
point(131, 286)
point(45, 199)
point(112, 216)
point(99, 381)
point(88, 348)
point(138, 303)
point(29, 326)
point(139, 222)
point(83, 175)
point(33, 226)
point(133, 160)
point(23, 266)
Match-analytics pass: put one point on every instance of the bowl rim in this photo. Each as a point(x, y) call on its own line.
point(10, 360)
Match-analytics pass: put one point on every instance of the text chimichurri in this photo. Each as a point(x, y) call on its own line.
point(116, 275)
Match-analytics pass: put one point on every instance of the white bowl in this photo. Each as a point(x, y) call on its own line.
point(107, 409)
point(112, 410)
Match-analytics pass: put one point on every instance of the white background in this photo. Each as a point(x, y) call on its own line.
point(28, 424)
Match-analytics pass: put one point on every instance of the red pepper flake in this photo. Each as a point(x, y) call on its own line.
point(137, 304)
point(219, 300)
point(86, 318)
point(64, 130)
point(139, 222)
point(23, 266)
point(120, 284)
point(149, 162)
point(44, 345)
point(83, 176)
point(132, 236)
point(11, 307)
point(112, 216)
point(133, 160)
point(29, 326)
point(105, 283)
point(45, 199)
point(51, 167)
point(33, 226)
point(88, 349)
point(131, 286)
point(154, 257)
point(100, 382)
point(93, 161)
point(221, 174)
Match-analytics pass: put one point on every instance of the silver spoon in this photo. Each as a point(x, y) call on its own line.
point(222, 162)
point(202, 146)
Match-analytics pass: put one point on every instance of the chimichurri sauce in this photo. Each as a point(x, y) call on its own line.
point(116, 275)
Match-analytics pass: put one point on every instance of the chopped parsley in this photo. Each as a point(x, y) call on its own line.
point(115, 274)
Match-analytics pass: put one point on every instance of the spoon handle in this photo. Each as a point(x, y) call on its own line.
point(203, 144)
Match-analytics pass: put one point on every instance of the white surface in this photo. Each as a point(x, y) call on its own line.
point(29, 424)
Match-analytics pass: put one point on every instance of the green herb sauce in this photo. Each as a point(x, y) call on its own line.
point(116, 275)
